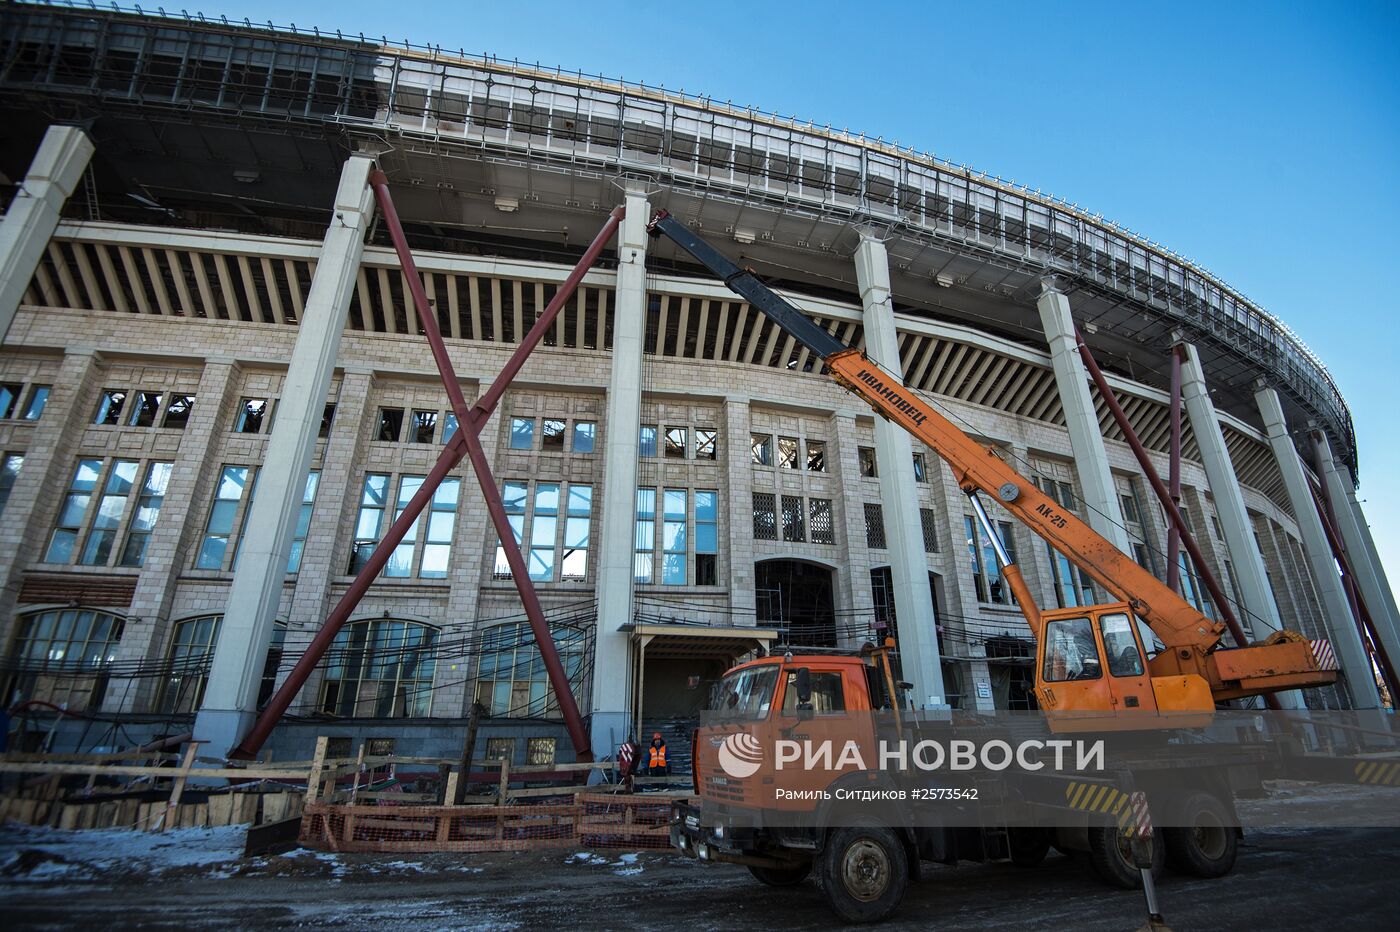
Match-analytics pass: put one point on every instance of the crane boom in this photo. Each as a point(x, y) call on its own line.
point(1193, 641)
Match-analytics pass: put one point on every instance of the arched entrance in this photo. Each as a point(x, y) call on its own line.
point(798, 596)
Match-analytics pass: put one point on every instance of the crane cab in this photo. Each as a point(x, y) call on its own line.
point(1092, 671)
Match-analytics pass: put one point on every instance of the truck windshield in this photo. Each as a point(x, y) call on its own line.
point(746, 694)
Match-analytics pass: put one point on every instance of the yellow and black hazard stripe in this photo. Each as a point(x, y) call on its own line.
point(1102, 799)
point(1378, 772)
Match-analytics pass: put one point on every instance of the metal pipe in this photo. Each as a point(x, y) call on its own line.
point(1009, 570)
point(1173, 512)
point(1174, 475)
point(451, 455)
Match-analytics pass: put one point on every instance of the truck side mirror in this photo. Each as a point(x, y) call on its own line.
point(804, 685)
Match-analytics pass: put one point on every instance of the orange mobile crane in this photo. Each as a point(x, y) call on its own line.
point(1092, 673)
point(1192, 672)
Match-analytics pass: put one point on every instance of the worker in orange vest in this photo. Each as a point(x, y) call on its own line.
point(656, 756)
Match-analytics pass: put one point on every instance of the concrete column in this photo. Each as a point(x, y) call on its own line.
point(326, 554)
point(256, 591)
point(1262, 615)
point(611, 718)
point(1361, 553)
point(1101, 508)
point(899, 496)
point(32, 217)
point(192, 478)
point(1341, 627)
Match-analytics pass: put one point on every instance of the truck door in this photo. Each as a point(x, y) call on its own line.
point(1071, 673)
point(1129, 685)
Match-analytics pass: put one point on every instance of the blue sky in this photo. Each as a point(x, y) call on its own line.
point(1261, 140)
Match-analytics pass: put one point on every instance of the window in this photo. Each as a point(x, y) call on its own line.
point(382, 669)
point(1130, 509)
point(370, 523)
point(423, 427)
point(1132, 521)
point(875, 527)
point(104, 524)
point(706, 443)
point(10, 465)
point(109, 409)
point(143, 412)
point(64, 541)
point(827, 695)
point(552, 435)
point(706, 537)
point(765, 518)
point(787, 452)
point(867, 462)
point(673, 538)
point(390, 425)
point(430, 555)
point(34, 406)
point(644, 539)
point(920, 468)
point(762, 445)
point(110, 509)
point(327, 419)
point(539, 751)
point(9, 398)
point(585, 435)
point(1073, 587)
point(522, 433)
point(500, 749)
point(308, 502)
point(646, 440)
point(191, 652)
point(819, 518)
point(1124, 658)
point(543, 530)
point(148, 505)
point(510, 676)
point(794, 521)
point(987, 580)
point(228, 497)
point(442, 519)
point(177, 412)
point(928, 521)
point(59, 656)
point(515, 497)
point(1191, 588)
point(675, 443)
point(816, 456)
point(574, 565)
point(251, 412)
point(1070, 651)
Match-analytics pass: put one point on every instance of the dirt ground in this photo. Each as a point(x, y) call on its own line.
point(51, 880)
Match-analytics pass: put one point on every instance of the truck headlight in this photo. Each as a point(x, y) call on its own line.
point(719, 831)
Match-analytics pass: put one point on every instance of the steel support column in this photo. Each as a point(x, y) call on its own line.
point(465, 442)
point(1174, 475)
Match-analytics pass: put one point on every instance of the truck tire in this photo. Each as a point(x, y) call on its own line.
point(781, 876)
point(1208, 845)
point(864, 872)
point(1112, 858)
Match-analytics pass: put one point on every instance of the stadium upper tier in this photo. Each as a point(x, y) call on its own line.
point(227, 125)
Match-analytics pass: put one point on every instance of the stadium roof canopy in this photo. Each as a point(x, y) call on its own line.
point(239, 126)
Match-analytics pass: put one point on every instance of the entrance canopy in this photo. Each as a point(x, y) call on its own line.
point(700, 642)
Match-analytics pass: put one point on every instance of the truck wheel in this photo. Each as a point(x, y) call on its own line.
point(781, 876)
point(864, 873)
point(1208, 844)
point(1111, 854)
point(1029, 846)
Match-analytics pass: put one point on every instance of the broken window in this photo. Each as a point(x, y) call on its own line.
point(816, 456)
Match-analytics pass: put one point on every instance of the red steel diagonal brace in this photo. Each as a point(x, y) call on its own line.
point(466, 442)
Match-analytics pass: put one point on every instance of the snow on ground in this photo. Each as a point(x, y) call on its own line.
point(40, 853)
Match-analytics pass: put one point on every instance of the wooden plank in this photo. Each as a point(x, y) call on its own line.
point(197, 775)
point(177, 789)
point(313, 780)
